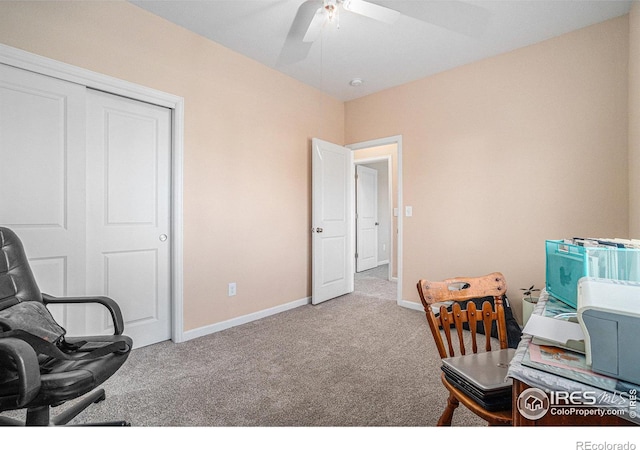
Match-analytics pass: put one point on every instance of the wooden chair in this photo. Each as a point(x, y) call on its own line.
point(460, 290)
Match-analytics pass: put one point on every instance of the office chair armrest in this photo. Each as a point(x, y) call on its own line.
point(110, 304)
point(26, 362)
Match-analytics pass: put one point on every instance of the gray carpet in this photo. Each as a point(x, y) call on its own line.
point(358, 360)
point(375, 283)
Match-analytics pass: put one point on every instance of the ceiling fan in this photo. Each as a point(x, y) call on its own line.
point(330, 11)
point(312, 15)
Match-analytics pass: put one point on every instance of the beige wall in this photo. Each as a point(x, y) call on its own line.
point(247, 151)
point(499, 155)
point(504, 153)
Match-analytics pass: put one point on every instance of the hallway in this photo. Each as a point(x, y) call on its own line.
point(374, 283)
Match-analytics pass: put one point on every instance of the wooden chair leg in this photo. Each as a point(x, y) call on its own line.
point(498, 423)
point(447, 415)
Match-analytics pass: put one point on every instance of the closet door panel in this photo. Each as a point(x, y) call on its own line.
point(128, 199)
point(42, 177)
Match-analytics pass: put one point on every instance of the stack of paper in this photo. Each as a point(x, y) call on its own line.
point(555, 332)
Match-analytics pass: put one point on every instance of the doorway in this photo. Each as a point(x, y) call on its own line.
point(374, 220)
point(385, 155)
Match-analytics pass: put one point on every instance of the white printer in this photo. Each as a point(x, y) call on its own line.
point(609, 313)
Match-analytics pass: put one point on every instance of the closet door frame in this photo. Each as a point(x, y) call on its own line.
point(56, 69)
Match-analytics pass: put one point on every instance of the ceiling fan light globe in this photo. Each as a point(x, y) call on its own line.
point(331, 8)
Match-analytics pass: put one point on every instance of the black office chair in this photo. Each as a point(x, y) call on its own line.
point(35, 381)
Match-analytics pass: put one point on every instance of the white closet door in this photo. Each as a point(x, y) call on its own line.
point(42, 179)
point(128, 213)
point(85, 183)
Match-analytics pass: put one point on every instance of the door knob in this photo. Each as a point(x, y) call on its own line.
point(163, 237)
point(319, 230)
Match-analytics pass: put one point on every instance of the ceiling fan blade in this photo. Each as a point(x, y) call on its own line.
point(371, 10)
point(315, 27)
point(459, 16)
point(295, 49)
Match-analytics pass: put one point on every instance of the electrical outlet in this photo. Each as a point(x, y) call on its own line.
point(232, 289)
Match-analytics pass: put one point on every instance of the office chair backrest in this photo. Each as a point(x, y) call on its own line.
point(461, 291)
point(17, 283)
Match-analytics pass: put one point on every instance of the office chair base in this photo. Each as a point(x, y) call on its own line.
point(9, 422)
point(117, 423)
point(41, 416)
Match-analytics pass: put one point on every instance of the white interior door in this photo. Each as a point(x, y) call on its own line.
point(366, 218)
point(128, 212)
point(85, 183)
point(332, 212)
point(42, 183)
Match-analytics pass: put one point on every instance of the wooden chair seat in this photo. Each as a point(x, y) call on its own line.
point(464, 317)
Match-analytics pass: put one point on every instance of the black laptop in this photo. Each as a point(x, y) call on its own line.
point(482, 376)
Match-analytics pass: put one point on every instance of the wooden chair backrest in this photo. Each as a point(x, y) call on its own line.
point(460, 290)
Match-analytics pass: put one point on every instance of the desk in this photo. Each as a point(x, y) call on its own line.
point(560, 420)
point(527, 377)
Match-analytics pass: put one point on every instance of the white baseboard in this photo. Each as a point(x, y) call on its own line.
point(214, 328)
point(411, 305)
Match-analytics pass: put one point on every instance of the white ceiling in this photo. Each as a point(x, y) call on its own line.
point(438, 36)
